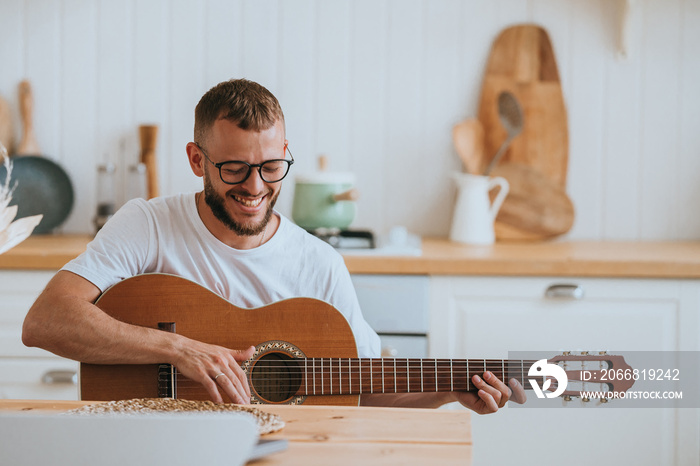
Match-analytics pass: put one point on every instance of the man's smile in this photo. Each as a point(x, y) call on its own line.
point(248, 202)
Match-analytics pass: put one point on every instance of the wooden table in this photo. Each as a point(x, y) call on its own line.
point(322, 435)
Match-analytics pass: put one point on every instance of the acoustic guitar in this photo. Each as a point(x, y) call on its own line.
point(305, 351)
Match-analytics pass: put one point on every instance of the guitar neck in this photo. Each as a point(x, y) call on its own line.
point(353, 376)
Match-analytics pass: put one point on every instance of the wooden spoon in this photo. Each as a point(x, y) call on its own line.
point(7, 131)
point(148, 136)
point(468, 137)
point(28, 145)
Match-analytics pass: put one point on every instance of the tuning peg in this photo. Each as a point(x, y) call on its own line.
point(567, 398)
point(602, 353)
point(584, 353)
point(603, 400)
point(566, 353)
point(585, 400)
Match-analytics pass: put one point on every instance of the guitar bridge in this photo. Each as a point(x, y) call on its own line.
point(167, 373)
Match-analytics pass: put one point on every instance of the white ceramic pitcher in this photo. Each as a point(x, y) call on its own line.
point(474, 212)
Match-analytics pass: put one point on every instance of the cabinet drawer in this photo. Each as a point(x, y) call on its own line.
point(42, 379)
point(394, 304)
point(18, 291)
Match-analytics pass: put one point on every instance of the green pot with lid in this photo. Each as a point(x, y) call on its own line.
point(324, 199)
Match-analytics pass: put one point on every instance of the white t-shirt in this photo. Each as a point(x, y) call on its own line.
point(167, 235)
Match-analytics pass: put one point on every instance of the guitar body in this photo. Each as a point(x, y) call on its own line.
point(295, 327)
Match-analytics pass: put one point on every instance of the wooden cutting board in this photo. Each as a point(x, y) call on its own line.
point(537, 207)
point(522, 61)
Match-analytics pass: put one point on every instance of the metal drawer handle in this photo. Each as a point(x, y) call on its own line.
point(60, 376)
point(564, 291)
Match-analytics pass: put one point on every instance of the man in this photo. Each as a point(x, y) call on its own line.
point(227, 238)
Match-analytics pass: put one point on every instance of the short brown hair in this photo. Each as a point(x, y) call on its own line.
point(244, 102)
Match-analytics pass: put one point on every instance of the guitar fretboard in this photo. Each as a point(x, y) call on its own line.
point(344, 376)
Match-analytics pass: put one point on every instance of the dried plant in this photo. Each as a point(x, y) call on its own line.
point(12, 232)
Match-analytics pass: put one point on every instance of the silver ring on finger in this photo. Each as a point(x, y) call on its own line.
point(218, 375)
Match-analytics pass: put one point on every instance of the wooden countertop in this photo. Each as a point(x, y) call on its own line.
point(667, 259)
point(553, 258)
point(321, 435)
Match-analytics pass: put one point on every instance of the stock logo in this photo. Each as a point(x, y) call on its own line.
point(543, 369)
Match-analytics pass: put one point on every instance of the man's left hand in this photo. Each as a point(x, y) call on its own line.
point(492, 395)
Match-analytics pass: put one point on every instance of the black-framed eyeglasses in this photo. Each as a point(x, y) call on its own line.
point(237, 171)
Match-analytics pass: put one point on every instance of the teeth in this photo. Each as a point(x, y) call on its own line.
point(249, 203)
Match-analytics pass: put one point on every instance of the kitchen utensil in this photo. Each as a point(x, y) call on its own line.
point(536, 208)
point(324, 199)
point(475, 212)
point(511, 116)
point(148, 136)
point(468, 138)
point(43, 187)
point(7, 130)
point(522, 62)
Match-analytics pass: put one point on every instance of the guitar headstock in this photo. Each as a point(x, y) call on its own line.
point(591, 372)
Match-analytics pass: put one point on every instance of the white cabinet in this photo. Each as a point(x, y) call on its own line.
point(485, 317)
point(29, 373)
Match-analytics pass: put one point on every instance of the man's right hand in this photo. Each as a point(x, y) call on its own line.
point(216, 368)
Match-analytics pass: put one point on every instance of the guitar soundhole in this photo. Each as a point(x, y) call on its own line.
point(276, 377)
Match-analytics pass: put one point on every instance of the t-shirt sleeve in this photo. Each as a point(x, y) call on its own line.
point(121, 249)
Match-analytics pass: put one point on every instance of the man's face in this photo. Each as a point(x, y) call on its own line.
point(243, 208)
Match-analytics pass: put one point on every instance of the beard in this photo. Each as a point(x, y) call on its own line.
point(217, 205)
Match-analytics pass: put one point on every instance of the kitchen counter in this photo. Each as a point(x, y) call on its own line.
point(321, 435)
point(441, 257)
point(554, 258)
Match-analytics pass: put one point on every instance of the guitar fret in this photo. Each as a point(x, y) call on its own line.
point(340, 376)
point(468, 377)
point(350, 375)
point(503, 371)
point(408, 378)
point(314, 373)
point(371, 377)
point(383, 376)
point(359, 362)
point(421, 376)
point(436, 376)
point(452, 377)
point(395, 375)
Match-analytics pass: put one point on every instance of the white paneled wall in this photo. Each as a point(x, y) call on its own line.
point(374, 84)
